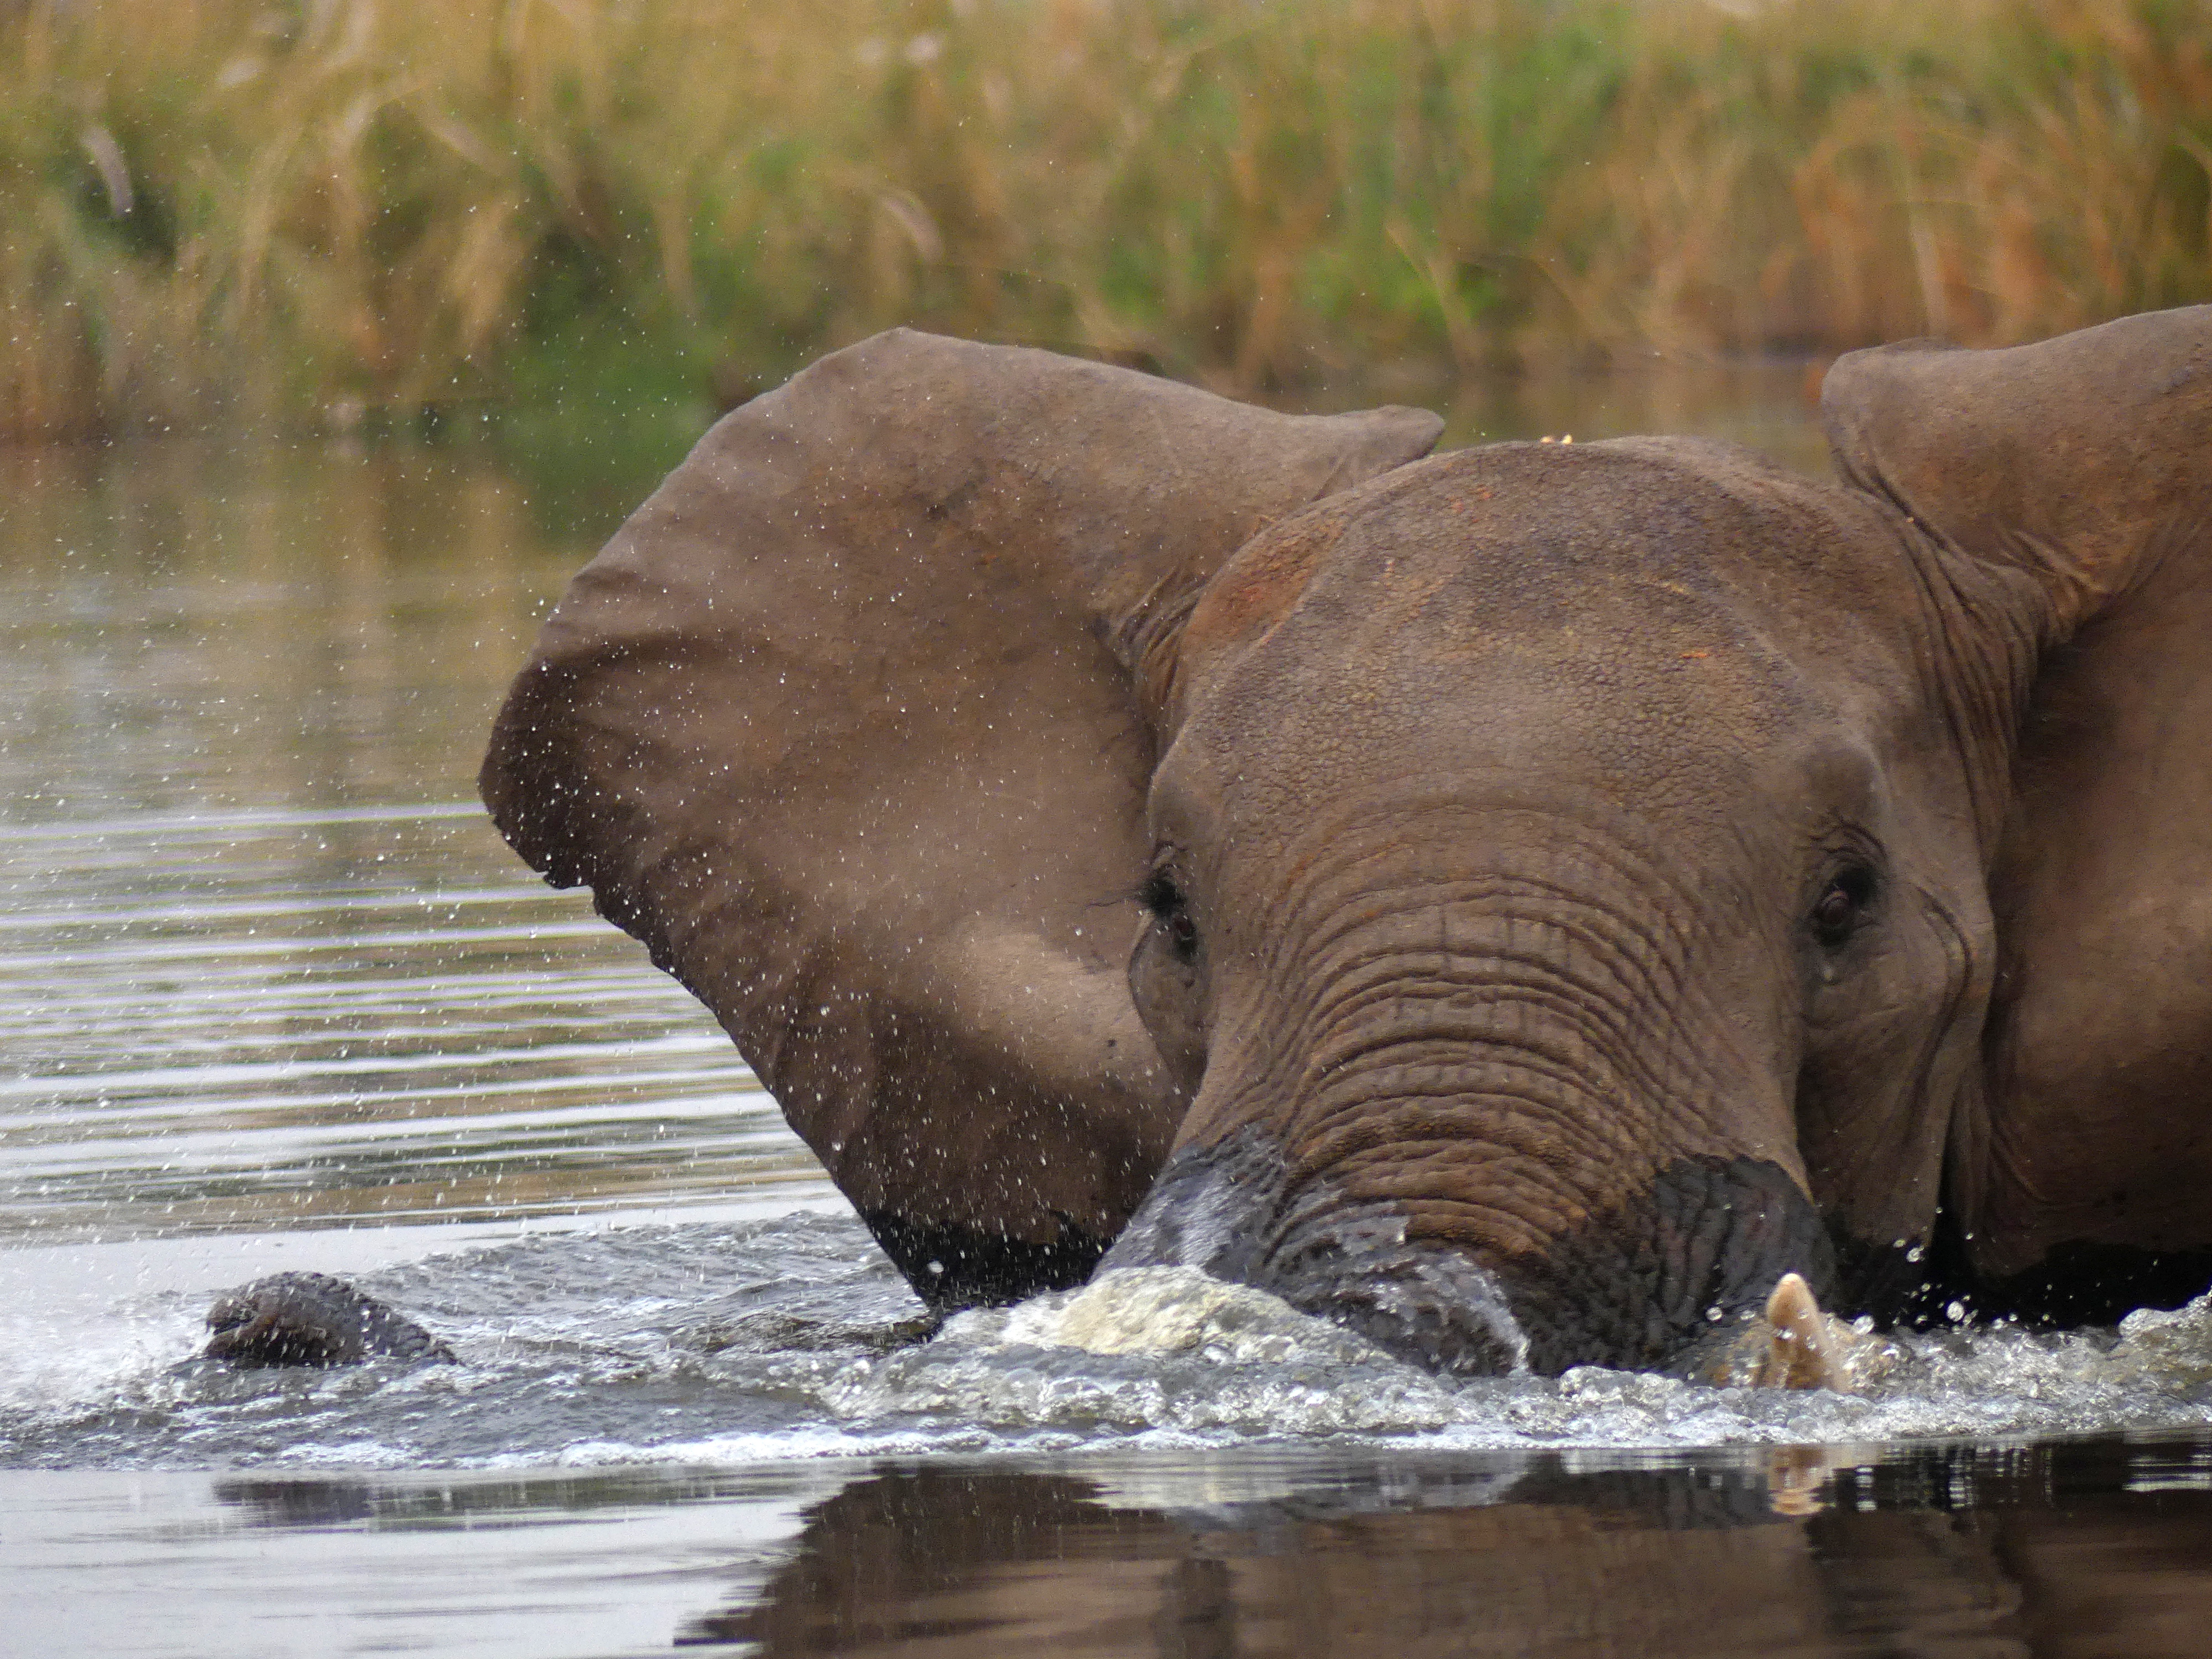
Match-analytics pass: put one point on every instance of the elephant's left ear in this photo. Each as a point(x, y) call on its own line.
point(2074, 478)
point(837, 724)
point(2071, 459)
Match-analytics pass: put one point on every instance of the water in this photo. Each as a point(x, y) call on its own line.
point(263, 962)
point(273, 996)
point(2085, 1548)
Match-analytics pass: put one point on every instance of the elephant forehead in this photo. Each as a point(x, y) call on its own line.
point(1523, 605)
point(1634, 533)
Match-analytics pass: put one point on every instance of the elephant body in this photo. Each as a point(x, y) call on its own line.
point(1519, 901)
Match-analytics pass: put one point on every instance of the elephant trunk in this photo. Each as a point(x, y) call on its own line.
point(1539, 1148)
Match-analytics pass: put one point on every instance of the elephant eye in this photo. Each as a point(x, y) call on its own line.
point(1165, 900)
point(1839, 913)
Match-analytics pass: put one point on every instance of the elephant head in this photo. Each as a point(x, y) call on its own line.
point(1572, 885)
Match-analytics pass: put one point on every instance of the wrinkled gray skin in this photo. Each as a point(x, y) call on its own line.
point(1570, 886)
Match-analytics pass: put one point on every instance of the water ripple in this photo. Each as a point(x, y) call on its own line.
point(320, 1019)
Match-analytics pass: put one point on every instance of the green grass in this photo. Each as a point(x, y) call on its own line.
point(588, 212)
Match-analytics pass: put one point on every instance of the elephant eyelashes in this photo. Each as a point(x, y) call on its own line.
point(1165, 900)
point(1837, 916)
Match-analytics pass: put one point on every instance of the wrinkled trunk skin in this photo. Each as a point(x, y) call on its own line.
point(1634, 1287)
point(1527, 1143)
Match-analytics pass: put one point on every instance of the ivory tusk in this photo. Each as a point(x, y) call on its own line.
point(1794, 1345)
point(1800, 1350)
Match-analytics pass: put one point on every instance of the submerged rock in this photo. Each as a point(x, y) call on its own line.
point(313, 1319)
point(820, 1328)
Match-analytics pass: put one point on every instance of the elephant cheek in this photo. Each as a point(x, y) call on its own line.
point(1636, 1285)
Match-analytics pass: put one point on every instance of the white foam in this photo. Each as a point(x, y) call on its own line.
point(1176, 1310)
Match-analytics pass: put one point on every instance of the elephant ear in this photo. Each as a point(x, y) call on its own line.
point(2078, 472)
point(836, 726)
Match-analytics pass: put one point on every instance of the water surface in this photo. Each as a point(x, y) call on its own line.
point(262, 961)
point(2085, 1548)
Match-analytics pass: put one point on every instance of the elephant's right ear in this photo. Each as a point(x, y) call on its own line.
point(2071, 482)
point(839, 725)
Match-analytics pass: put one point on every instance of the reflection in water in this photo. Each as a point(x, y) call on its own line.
point(2055, 1551)
point(270, 1018)
point(395, 1504)
point(2099, 1546)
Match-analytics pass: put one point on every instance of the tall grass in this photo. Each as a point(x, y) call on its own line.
point(332, 207)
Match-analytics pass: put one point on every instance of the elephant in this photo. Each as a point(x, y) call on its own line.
point(1520, 902)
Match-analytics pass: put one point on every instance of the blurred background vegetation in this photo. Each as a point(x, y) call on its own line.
point(374, 214)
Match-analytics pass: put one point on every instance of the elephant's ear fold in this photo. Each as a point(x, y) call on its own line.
point(2070, 459)
point(836, 725)
point(2078, 473)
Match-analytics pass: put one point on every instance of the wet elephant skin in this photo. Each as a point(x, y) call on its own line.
point(1520, 901)
point(1940, 1552)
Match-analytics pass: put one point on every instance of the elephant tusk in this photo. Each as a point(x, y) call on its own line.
point(1794, 1345)
point(1800, 1348)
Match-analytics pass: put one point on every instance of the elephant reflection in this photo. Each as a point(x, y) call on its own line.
point(930, 1562)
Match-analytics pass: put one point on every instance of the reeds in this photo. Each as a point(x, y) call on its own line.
point(334, 209)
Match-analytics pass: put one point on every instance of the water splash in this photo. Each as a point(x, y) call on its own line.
point(795, 1338)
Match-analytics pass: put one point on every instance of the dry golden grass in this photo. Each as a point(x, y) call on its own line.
point(216, 207)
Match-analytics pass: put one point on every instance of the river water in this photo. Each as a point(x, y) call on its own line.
point(273, 994)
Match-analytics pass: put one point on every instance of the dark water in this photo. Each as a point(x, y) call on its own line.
point(273, 996)
point(2092, 1548)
